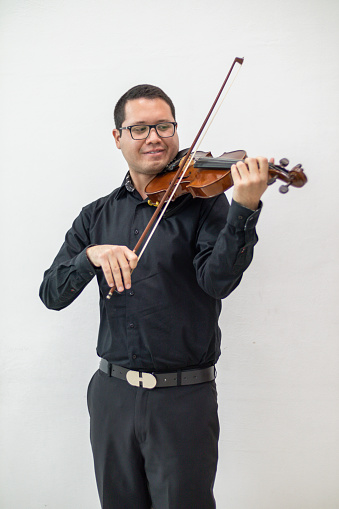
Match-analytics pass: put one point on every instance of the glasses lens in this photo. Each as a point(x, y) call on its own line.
point(139, 132)
point(165, 130)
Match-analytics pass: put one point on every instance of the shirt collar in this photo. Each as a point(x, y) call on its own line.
point(127, 185)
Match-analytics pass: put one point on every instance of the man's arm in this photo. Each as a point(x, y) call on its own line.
point(225, 248)
point(71, 270)
point(77, 262)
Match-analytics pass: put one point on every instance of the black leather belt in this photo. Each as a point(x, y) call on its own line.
point(152, 380)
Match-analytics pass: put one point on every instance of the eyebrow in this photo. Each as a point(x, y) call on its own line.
point(137, 122)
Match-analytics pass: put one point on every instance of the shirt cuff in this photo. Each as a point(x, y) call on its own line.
point(84, 267)
point(241, 217)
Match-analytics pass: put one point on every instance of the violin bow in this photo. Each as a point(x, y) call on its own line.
point(166, 199)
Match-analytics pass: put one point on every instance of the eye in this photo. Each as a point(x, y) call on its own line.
point(164, 127)
point(139, 129)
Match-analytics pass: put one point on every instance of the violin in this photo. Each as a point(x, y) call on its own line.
point(207, 176)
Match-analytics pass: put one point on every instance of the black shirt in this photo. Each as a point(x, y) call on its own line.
point(169, 318)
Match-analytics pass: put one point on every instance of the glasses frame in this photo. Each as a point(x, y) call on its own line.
point(150, 126)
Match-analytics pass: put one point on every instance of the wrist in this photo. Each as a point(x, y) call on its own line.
point(250, 205)
point(89, 258)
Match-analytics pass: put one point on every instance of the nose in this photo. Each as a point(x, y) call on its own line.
point(153, 136)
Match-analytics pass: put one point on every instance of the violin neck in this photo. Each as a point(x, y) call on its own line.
point(214, 162)
point(221, 163)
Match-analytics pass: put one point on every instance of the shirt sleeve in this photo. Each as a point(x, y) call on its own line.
point(225, 244)
point(71, 270)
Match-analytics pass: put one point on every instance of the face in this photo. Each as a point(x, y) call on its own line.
point(149, 156)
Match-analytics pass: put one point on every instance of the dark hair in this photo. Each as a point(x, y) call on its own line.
point(138, 92)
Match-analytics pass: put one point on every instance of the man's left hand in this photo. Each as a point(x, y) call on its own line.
point(250, 181)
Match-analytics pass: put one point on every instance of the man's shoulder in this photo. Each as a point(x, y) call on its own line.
point(101, 202)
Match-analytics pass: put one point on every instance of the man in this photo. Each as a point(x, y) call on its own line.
point(152, 403)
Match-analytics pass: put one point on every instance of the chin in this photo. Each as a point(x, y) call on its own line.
point(156, 168)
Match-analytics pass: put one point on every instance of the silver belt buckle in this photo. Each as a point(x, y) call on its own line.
point(145, 380)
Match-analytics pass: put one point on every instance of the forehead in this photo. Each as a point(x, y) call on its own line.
point(147, 111)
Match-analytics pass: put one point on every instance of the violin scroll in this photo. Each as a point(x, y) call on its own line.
point(295, 177)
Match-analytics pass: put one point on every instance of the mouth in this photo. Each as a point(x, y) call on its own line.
point(154, 152)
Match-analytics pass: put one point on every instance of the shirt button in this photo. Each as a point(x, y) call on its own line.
point(131, 325)
point(134, 356)
point(131, 292)
point(240, 217)
point(136, 232)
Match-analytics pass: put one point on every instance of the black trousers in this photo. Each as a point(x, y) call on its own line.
point(153, 448)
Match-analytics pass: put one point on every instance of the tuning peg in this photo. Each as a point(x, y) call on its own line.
point(284, 162)
point(284, 188)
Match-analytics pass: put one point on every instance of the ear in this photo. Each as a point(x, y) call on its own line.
point(116, 136)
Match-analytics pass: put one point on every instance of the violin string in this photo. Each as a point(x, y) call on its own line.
point(186, 166)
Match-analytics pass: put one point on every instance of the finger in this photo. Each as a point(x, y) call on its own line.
point(242, 170)
point(132, 258)
point(235, 174)
point(263, 167)
point(128, 261)
point(125, 271)
point(116, 273)
point(106, 269)
point(123, 262)
point(120, 269)
point(262, 162)
point(110, 268)
point(255, 164)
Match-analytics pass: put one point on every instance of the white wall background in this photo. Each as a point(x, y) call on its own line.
point(63, 66)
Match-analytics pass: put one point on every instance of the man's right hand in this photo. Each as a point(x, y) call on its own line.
point(117, 263)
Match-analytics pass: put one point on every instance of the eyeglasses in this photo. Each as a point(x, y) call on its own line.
point(141, 132)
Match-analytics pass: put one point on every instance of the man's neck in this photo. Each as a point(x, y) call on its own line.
point(140, 181)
